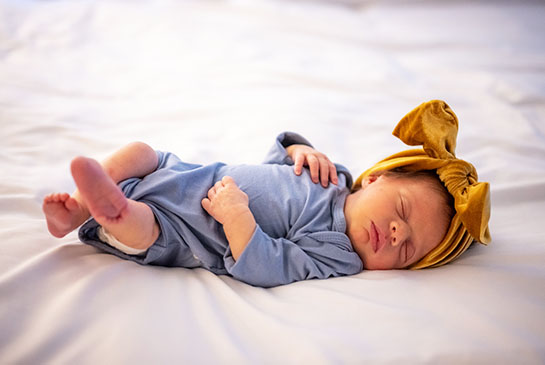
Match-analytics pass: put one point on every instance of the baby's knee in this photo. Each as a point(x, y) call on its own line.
point(144, 152)
point(141, 147)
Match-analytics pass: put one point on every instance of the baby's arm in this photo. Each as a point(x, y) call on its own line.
point(227, 204)
point(318, 163)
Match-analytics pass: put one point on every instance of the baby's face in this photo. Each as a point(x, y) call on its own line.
point(394, 222)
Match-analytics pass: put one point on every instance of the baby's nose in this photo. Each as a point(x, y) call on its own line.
point(399, 231)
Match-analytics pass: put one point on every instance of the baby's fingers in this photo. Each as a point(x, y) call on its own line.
point(314, 167)
point(206, 204)
point(324, 172)
point(212, 192)
point(328, 172)
point(228, 180)
point(299, 162)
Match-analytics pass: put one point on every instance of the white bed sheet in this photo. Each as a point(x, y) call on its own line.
point(218, 80)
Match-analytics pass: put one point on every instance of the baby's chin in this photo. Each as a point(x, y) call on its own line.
point(377, 267)
point(373, 260)
point(374, 264)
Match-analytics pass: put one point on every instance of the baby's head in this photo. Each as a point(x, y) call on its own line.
point(423, 207)
point(395, 218)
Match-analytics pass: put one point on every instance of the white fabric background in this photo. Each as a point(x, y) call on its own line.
point(218, 80)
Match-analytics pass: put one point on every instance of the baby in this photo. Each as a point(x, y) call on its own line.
point(278, 222)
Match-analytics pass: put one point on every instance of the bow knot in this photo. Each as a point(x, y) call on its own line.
point(471, 198)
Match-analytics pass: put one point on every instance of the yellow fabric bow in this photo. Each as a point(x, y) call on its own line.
point(435, 126)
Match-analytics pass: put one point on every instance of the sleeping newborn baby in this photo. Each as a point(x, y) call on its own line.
point(297, 216)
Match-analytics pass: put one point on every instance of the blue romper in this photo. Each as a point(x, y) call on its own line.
point(300, 230)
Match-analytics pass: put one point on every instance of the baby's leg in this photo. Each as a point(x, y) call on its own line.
point(131, 222)
point(64, 213)
point(136, 159)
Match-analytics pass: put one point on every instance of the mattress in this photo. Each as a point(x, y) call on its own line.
point(217, 81)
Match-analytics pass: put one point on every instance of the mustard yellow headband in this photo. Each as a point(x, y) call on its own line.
point(435, 126)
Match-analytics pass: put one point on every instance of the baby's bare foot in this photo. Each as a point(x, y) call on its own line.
point(63, 214)
point(103, 198)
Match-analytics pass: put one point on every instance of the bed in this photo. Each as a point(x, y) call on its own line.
point(217, 81)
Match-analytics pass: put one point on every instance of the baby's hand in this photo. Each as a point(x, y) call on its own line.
point(321, 168)
point(227, 204)
point(225, 201)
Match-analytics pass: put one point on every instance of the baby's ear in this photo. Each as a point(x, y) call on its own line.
point(369, 180)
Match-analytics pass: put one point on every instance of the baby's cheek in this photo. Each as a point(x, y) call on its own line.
point(385, 261)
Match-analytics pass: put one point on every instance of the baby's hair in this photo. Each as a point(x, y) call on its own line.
point(431, 177)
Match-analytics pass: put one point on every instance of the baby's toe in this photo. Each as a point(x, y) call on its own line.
point(71, 203)
point(49, 198)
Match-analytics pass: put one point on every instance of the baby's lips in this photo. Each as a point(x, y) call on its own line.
point(378, 237)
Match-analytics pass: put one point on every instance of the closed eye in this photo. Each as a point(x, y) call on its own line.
point(401, 209)
point(409, 250)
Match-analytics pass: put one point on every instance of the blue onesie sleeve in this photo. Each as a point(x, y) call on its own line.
point(269, 262)
point(277, 154)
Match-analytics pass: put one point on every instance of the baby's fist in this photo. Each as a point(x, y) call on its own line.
point(225, 201)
